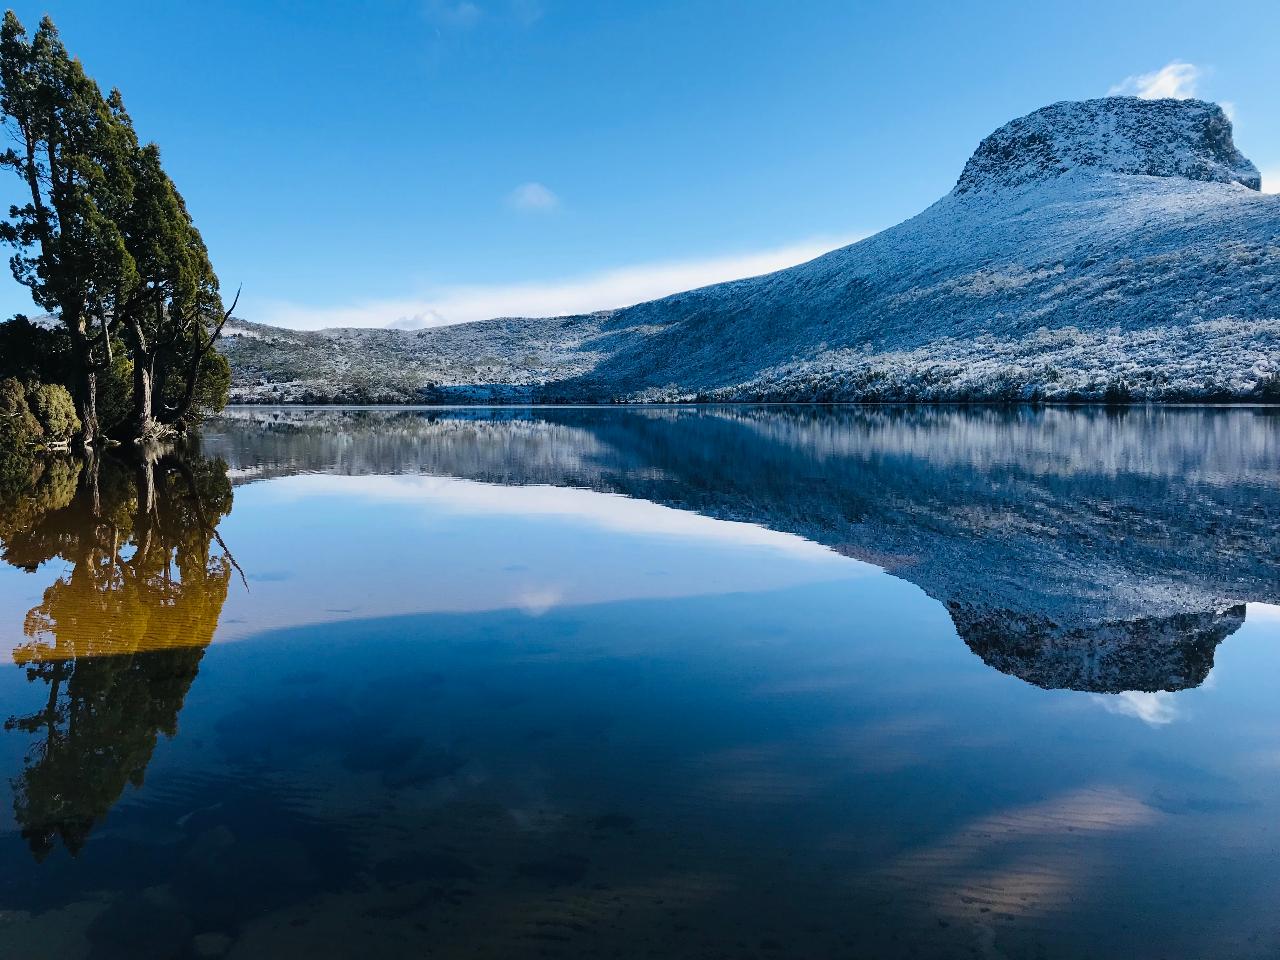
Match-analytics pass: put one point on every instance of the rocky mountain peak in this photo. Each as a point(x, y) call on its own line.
point(1161, 138)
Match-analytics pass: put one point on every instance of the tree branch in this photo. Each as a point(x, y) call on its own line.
point(180, 411)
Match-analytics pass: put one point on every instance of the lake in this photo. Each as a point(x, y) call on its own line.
point(705, 682)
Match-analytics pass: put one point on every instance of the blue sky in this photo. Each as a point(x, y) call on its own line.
point(412, 161)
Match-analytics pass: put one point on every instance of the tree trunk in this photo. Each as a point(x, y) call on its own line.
point(142, 425)
point(179, 414)
point(90, 476)
point(86, 385)
point(144, 517)
point(159, 375)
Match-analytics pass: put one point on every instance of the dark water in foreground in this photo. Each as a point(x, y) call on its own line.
point(723, 682)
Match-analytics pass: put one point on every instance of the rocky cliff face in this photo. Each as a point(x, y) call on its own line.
point(1190, 139)
point(1113, 249)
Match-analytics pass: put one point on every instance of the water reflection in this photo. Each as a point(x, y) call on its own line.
point(1074, 549)
point(1147, 655)
point(686, 738)
point(118, 637)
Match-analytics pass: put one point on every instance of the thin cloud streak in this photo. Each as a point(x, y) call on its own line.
point(462, 15)
point(587, 294)
point(1176, 79)
point(604, 511)
point(533, 196)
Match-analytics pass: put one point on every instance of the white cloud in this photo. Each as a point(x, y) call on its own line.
point(1154, 709)
point(600, 291)
point(1175, 79)
point(610, 512)
point(1271, 180)
point(533, 196)
point(1263, 611)
point(624, 550)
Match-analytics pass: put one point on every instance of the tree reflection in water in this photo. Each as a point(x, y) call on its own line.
point(118, 638)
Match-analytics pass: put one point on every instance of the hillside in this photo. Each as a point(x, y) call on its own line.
point(1109, 249)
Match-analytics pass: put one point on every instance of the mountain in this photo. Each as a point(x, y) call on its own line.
point(1108, 249)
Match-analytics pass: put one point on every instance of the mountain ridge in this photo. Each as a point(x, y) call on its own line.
point(1109, 249)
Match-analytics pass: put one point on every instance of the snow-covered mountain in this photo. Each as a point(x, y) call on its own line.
point(1110, 249)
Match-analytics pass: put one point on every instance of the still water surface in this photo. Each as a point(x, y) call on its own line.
point(707, 682)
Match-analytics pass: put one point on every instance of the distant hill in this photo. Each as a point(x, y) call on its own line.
point(1110, 249)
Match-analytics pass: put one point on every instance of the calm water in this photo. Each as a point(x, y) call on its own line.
point(713, 683)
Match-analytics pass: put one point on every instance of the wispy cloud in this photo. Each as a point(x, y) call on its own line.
point(455, 14)
point(585, 294)
point(533, 196)
point(464, 14)
point(605, 511)
point(526, 12)
point(531, 574)
point(1154, 709)
point(1175, 79)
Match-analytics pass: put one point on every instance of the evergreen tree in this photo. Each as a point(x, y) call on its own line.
point(106, 243)
point(170, 309)
point(68, 252)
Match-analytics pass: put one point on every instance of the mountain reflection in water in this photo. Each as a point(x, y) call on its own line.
point(738, 739)
point(1098, 550)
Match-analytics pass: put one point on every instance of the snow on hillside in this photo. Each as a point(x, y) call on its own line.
point(1190, 139)
point(1111, 249)
point(510, 360)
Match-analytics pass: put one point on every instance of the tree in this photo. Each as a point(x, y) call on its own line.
point(37, 413)
point(56, 411)
point(106, 243)
point(19, 425)
point(68, 252)
point(171, 308)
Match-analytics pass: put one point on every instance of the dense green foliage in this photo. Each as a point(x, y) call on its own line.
point(56, 411)
point(18, 425)
point(36, 412)
point(106, 245)
point(32, 416)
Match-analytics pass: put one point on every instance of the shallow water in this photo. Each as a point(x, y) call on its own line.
point(697, 682)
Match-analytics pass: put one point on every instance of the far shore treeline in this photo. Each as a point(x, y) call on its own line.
point(103, 240)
